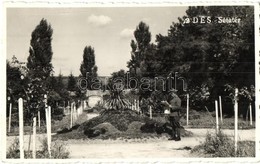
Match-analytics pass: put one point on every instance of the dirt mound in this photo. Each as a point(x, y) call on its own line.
point(116, 123)
point(135, 127)
point(104, 128)
point(119, 119)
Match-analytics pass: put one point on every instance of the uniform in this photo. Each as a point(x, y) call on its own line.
point(174, 116)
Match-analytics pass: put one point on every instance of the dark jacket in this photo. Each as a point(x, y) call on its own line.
point(175, 102)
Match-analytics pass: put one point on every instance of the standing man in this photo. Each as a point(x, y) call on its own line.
point(173, 107)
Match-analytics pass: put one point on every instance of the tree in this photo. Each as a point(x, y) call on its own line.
point(71, 83)
point(210, 55)
point(88, 68)
point(141, 48)
point(39, 64)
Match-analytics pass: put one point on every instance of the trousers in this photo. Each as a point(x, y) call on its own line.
point(174, 121)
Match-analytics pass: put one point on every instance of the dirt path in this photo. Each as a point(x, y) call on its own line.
point(152, 148)
point(137, 148)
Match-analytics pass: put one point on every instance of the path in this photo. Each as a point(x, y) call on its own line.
point(152, 148)
point(145, 148)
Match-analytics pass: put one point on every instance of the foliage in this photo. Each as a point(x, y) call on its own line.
point(71, 83)
point(15, 84)
point(58, 150)
point(220, 145)
point(13, 150)
point(206, 58)
point(39, 65)
point(88, 68)
point(142, 54)
point(117, 100)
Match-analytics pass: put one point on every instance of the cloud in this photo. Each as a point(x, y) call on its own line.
point(127, 33)
point(99, 20)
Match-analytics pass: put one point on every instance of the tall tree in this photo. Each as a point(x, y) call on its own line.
point(39, 63)
point(71, 83)
point(88, 68)
point(141, 47)
point(210, 55)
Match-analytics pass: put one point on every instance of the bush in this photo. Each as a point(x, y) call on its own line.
point(58, 150)
point(220, 145)
point(13, 151)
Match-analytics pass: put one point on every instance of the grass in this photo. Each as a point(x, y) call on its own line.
point(220, 145)
point(208, 120)
point(56, 125)
point(58, 151)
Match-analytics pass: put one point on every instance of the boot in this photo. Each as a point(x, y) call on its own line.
point(178, 135)
point(173, 136)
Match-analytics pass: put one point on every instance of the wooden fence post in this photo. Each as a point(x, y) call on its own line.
point(20, 106)
point(75, 112)
point(34, 138)
point(135, 105)
point(187, 112)
point(82, 107)
point(10, 118)
point(220, 109)
point(48, 123)
point(39, 119)
point(236, 119)
point(71, 115)
point(250, 114)
point(216, 108)
point(151, 112)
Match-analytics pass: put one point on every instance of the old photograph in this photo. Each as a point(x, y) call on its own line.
point(131, 82)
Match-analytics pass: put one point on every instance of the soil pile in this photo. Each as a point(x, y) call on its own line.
point(121, 122)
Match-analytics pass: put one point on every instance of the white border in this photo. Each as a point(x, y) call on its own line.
point(124, 3)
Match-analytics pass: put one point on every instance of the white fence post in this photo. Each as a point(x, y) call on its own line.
point(48, 123)
point(74, 111)
point(34, 138)
point(236, 119)
point(220, 109)
point(71, 115)
point(151, 112)
point(10, 118)
point(187, 112)
point(216, 108)
point(20, 106)
point(39, 119)
point(250, 110)
point(137, 106)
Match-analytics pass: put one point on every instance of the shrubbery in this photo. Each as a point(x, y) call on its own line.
point(58, 151)
point(220, 145)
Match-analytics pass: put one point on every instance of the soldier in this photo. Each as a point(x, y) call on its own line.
point(173, 107)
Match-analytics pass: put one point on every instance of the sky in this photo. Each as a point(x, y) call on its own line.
point(109, 30)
